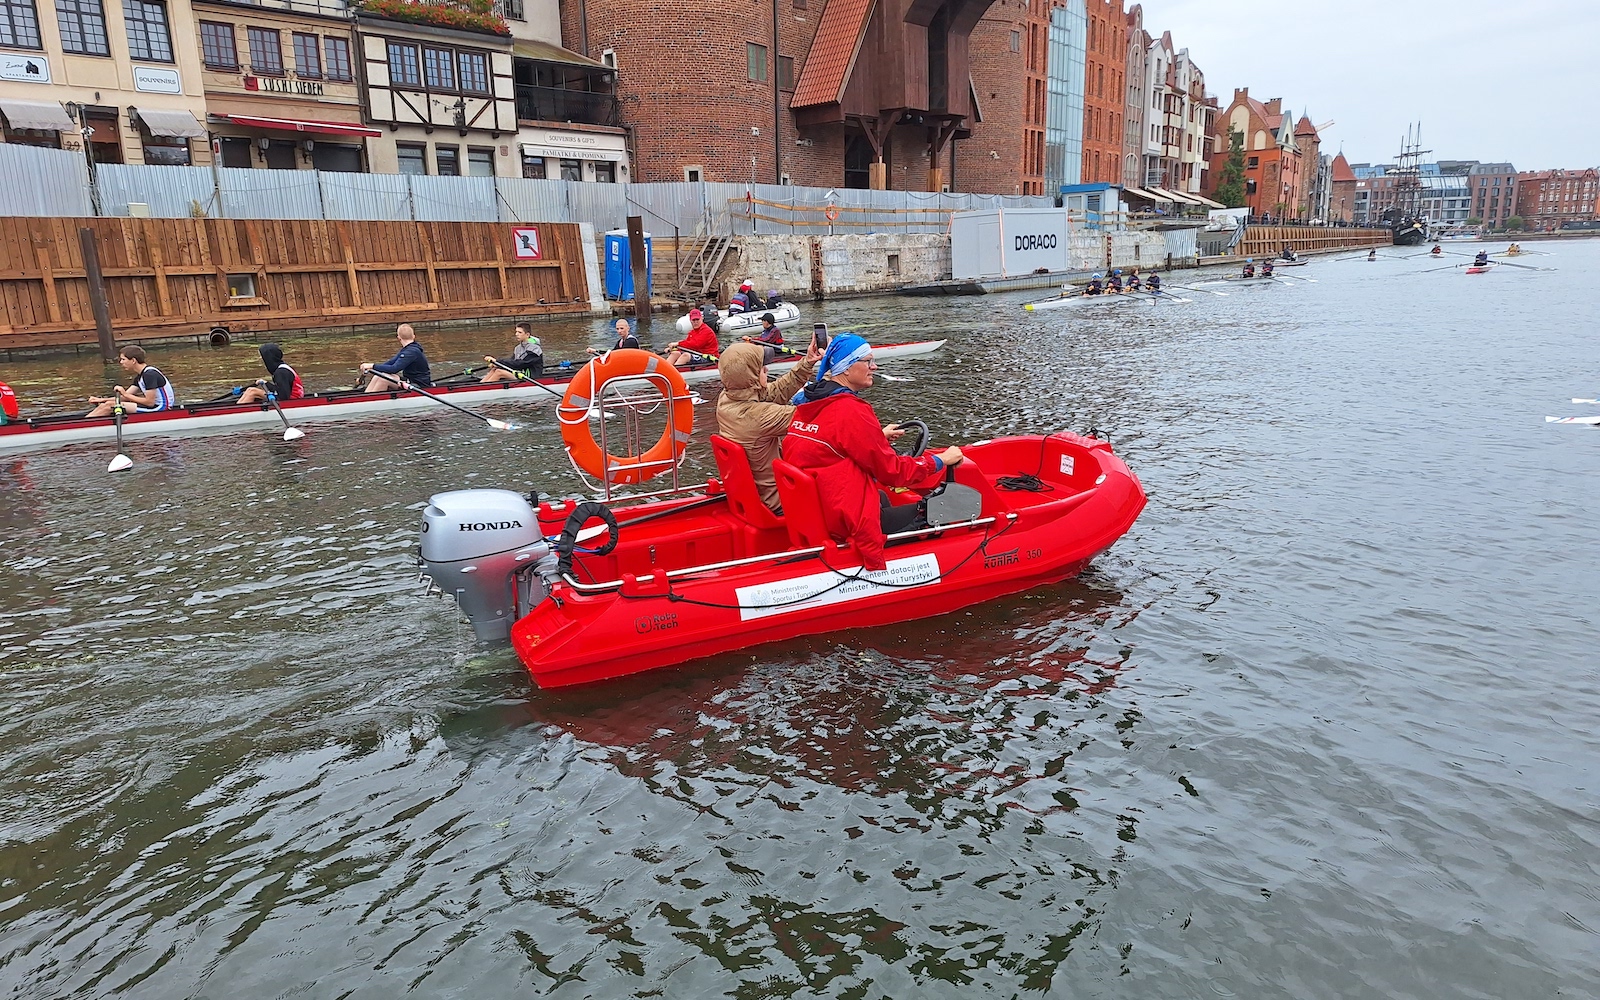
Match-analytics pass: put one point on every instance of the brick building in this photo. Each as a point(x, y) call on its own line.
point(1492, 187)
point(1104, 92)
point(1341, 190)
point(829, 93)
point(1314, 186)
point(1009, 50)
point(1273, 184)
point(1547, 198)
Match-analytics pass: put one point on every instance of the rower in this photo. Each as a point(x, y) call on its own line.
point(1114, 285)
point(700, 343)
point(1288, 253)
point(409, 364)
point(1437, 251)
point(1154, 284)
point(283, 383)
point(770, 339)
point(1134, 284)
point(1266, 269)
point(526, 361)
point(149, 393)
point(1372, 254)
point(625, 338)
point(1249, 268)
point(1482, 260)
point(1513, 250)
point(9, 411)
point(1095, 285)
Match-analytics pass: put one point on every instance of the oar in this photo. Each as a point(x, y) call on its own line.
point(122, 461)
point(1589, 402)
point(525, 377)
point(499, 425)
point(1191, 288)
point(1430, 270)
point(290, 432)
point(1525, 267)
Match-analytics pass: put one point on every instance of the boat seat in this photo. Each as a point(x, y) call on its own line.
point(802, 505)
point(744, 499)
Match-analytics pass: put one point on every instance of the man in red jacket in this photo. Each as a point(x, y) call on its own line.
point(835, 436)
point(699, 344)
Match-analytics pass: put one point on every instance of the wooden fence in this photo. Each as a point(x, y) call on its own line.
point(184, 277)
point(1264, 241)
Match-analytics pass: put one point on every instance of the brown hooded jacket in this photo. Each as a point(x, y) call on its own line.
point(755, 417)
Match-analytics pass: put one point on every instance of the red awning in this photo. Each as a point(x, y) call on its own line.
point(294, 125)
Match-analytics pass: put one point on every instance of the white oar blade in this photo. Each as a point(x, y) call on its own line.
point(293, 434)
point(499, 425)
point(120, 463)
point(1591, 402)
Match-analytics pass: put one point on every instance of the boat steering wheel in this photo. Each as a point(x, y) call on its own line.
point(919, 442)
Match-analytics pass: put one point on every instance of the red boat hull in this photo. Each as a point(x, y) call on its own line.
point(650, 620)
point(1476, 270)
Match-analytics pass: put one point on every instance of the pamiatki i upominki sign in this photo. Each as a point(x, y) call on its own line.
point(526, 241)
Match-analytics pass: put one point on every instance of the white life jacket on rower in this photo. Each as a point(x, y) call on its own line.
point(299, 391)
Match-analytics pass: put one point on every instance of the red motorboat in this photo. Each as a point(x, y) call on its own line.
point(713, 570)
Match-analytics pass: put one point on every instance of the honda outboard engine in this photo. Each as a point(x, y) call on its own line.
point(483, 547)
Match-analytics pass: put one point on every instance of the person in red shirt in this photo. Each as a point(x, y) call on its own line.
point(283, 383)
point(9, 411)
point(699, 344)
point(836, 437)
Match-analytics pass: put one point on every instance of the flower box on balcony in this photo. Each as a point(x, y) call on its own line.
point(467, 15)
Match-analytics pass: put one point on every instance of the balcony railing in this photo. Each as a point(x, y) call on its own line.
point(550, 104)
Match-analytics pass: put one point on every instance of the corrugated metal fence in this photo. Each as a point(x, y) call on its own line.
point(52, 182)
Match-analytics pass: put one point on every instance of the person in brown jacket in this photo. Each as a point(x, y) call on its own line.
point(755, 412)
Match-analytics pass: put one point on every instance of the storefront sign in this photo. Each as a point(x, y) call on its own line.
point(526, 241)
point(24, 69)
point(273, 85)
point(154, 80)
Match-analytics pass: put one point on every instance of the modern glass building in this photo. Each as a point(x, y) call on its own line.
point(1063, 116)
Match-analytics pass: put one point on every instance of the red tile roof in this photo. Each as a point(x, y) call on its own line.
point(1341, 169)
point(833, 53)
point(1304, 126)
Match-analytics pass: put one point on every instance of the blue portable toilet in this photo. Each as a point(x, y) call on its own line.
point(619, 269)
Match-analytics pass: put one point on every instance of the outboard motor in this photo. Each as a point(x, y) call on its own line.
point(483, 547)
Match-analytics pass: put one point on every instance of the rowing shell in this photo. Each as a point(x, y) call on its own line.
point(1573, 420)
point(48, 432)
point(1083, 300)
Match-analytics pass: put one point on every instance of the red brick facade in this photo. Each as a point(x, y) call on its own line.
point(1104, 92)
point(1009, 48)
point(1547, 198)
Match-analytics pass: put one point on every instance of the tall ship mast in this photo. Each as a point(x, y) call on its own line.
point(1405, 216)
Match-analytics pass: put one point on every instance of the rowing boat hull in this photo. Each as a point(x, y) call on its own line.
point(1475, 269)
point(1072, 301)
point(203, 418)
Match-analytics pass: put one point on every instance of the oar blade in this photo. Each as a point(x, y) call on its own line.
point(499, 425)
point(293, 434)
point(120, 464)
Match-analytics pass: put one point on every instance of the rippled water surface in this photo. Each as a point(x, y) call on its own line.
point(1322, 725)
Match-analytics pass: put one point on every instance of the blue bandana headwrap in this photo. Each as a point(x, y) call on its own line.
point(843, 351)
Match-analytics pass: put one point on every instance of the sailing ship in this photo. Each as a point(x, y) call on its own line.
point(1404, 217)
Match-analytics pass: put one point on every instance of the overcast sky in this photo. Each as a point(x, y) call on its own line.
point(1508, 80)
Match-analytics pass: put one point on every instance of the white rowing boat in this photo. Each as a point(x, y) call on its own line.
point(1572, 420)
point(202, 418)
point(1080, 299)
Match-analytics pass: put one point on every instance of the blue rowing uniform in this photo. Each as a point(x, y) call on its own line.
point(410, 364)
point(151, 380)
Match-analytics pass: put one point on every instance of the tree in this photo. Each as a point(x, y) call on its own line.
point(1230, 179)
point(1515, 222)
point(1473, 220)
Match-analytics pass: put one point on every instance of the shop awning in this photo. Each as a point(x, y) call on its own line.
point(49, 116)
point(1207, 202)
point(560, 153)
point(1142, 193)
point(298, 125)
point(1175, 196)
point(528, 48)
point(179, 124)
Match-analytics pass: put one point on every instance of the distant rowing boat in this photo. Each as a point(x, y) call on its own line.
point(197, 418)
point(1080, 299)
